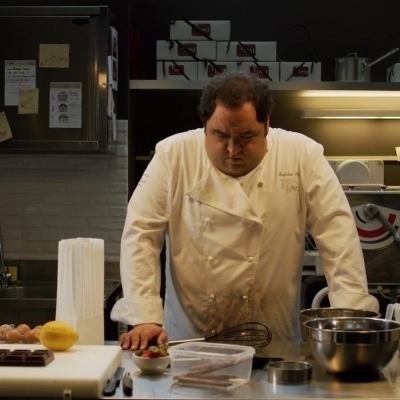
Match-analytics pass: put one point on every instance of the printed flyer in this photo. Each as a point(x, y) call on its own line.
point(65, 105)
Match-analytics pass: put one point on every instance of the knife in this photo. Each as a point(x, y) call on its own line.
point(113, 383)
point(127, 384)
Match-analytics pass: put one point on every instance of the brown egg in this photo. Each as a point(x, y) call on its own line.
point(5, 328)
point(23, 328)
point(2, 338)
point(13, 336)
point(38, 327)
point(29, 337)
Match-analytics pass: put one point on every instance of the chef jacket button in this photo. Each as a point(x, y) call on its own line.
point(207, 220)
point(212, 296)
point(210, 259)
point(213, 331)
point(244, 297)
point(260, 183)
point(250, 259)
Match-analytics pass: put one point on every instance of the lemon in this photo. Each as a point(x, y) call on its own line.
point(57, 335)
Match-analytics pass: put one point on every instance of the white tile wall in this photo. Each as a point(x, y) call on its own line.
point(46, 198)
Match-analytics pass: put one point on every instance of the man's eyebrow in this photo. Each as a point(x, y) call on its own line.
point(244, 133)
point(216, 130)
point(247, 132)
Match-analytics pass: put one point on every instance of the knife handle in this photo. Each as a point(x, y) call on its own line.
point(127, 384)
point(111, 387)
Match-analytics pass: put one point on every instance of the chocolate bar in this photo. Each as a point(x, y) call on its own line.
point(25, 358)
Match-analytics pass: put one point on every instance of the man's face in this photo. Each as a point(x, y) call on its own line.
point(235, 141)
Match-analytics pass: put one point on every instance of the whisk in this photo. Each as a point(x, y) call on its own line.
point(309, 242)
point(252, 334)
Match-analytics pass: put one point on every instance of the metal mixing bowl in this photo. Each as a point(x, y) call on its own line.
point(332, 312)
point(352, 345)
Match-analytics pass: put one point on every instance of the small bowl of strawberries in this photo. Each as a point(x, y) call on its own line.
point(153, 359)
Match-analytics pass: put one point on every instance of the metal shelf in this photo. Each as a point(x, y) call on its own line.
point(383, 158)
point(366, 92)
point(275, 86)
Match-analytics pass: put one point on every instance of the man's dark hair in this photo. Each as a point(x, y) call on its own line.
point(233, 89)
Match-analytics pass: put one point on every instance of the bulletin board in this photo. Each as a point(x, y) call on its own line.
point(54, 68)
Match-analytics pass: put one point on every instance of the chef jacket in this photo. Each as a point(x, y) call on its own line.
point(235, 245)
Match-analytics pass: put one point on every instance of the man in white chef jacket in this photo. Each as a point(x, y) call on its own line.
point(233, 202)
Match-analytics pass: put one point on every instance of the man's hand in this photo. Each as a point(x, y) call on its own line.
point(140, 336)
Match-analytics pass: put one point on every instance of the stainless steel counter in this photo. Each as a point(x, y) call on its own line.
point(322, 385)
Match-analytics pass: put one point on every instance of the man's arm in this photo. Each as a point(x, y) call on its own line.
point(141, 244)
point(332, 225)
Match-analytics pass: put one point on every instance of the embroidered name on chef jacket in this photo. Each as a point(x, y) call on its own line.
point(289, 181)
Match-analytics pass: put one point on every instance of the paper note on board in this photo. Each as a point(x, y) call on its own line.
point(54, 55)
point(28, 101)
point(18, 74)
point(398, 153)
point(65, 105)
point(110, 101)
point(5, 130)
point(112, 72)
point(113, 60)
point(114, 126)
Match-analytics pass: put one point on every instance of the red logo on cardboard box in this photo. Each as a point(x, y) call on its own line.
point(212, 70)
point(301, 72)
point(176, 70)
point(246, 50)
point(261, 71)
point(187, 49)
point(205, 30)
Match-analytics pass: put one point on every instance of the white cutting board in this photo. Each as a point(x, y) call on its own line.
point(83, 370)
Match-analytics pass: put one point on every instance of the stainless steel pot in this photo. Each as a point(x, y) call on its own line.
point(356, 69)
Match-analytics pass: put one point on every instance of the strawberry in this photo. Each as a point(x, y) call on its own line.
point(146, 354)
point(154, 352)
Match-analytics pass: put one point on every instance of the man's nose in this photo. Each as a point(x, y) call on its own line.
point(233, 146)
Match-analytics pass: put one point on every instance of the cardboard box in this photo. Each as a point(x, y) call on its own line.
point(177, 71)
point(207, 70)
point(300, 71)
point(263, 69)
point(199, 30)
point(186, 50)
point(246, 51)
point(393, 73)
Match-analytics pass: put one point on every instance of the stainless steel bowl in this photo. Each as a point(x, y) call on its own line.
point(352, 345)
point(332, 312)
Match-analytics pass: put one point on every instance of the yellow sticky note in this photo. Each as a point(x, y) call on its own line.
point(5, 130)
point(398, 153)
point(54, 55)
point(28, 101)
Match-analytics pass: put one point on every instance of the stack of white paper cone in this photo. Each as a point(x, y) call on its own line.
point(80, 287)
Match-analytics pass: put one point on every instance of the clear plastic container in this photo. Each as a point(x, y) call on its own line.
point(211, 365)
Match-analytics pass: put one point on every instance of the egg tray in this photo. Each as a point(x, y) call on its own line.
point(19, 342)
point(25, 358)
